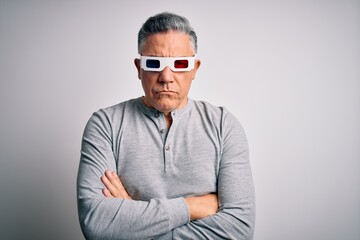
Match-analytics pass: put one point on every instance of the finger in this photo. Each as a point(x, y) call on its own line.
point(107, 193)
point(115, 181)
point(113, 190)
point(106, 182)
point(114, 185)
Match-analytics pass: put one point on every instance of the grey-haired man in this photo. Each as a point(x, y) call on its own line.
point(163, 165)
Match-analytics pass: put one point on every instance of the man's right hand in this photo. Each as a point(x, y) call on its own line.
point(202, 206)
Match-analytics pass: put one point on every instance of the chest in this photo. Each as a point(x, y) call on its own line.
point(153, 162)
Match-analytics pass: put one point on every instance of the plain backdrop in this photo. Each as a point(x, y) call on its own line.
point(289, 70)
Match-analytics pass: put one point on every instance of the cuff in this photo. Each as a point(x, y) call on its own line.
point(178, 212)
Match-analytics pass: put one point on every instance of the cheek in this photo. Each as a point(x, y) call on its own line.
point(146, 86)
point(185, 84)
point(148, 81)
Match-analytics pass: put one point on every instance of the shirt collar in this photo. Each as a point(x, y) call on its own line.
point(152, 112)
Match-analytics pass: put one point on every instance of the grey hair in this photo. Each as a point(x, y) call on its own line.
point(164, 22)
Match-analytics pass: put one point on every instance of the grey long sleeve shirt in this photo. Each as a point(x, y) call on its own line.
point(204, 151)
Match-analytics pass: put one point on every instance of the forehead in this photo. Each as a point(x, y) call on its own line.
point(168, 44)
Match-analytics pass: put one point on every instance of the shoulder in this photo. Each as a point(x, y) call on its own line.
point(219, 116)
point(113, 115)
point(115, 111)
point(214, 112)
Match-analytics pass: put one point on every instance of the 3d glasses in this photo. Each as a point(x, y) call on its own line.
point(176, 64)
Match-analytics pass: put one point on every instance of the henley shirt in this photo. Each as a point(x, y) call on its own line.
point(204, 151)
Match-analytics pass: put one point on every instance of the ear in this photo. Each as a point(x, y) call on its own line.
point(196, 67)
point(137, 65)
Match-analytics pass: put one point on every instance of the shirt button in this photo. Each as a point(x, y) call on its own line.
point(162, 131)
point(157, 115)
point(167, 148)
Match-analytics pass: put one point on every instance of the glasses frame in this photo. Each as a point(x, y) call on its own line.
point(167, 61)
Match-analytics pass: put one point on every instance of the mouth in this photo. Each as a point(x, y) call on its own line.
point(165, 92)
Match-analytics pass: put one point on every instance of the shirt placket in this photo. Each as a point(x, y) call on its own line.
point(167, 137)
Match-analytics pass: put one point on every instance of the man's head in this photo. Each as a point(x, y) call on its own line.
point(164, 22)
point(166, 37)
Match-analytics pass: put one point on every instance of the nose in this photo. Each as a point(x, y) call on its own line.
point(166, 75)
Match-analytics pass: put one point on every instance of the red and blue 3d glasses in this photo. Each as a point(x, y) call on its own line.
point(176, 64)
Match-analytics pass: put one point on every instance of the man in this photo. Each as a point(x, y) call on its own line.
point(164, 166)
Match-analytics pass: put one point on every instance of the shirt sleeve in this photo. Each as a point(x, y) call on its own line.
point(112, 218)
point(236, 215)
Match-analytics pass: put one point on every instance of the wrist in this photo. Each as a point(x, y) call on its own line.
point(202, 206)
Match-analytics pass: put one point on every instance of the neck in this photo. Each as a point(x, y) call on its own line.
point(168, 119)
point(167, 115)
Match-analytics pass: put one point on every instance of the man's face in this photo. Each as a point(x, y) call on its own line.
point(167, 90)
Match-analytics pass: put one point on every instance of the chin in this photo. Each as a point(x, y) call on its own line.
point(165, 105)
point(165, 108)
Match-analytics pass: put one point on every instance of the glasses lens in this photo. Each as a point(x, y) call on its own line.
point(152, 63)
point(181, 63)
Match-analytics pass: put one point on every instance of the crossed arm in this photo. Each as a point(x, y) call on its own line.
point(230, 214)
point(199, 206)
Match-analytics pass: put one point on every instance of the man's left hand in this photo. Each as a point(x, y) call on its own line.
point(114, 187)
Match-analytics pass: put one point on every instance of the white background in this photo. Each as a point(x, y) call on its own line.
point(289, 70)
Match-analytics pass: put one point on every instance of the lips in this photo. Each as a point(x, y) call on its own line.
point(164, 92)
